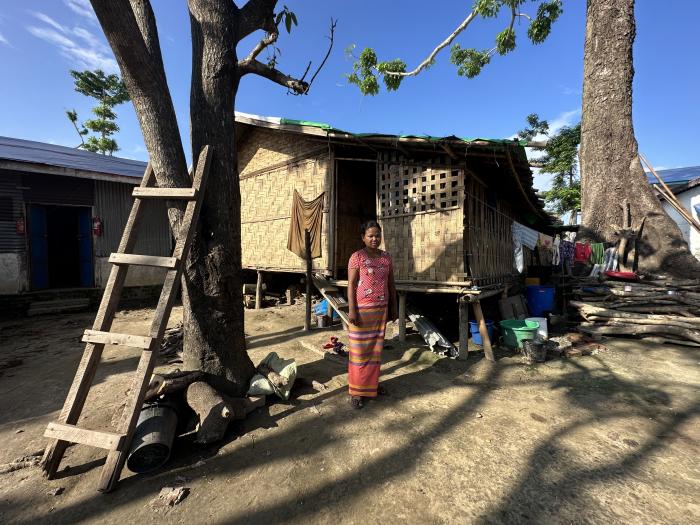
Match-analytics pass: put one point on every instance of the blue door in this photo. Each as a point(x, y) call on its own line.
point(85, 246)
point(38, 247)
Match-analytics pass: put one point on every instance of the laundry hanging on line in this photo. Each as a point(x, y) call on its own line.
point(522, 236)
point(306, 215)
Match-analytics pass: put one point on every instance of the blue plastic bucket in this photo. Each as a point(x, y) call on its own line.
point(540, 299)
point(476, 335)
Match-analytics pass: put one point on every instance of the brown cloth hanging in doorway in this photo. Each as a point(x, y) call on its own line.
point(306, 215)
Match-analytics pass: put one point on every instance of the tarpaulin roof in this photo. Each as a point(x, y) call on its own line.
point(282, 122)
point(29, 151)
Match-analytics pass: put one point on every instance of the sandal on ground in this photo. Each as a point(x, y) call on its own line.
point(356, 402)
point(382, 391)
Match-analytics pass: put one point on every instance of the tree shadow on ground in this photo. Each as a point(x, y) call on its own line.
point(556, 482)
point(535, 497)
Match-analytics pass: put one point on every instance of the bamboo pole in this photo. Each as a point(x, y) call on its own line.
point(671, 198)
point(307, 245)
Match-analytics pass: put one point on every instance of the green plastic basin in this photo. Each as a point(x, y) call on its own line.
point(516, 331)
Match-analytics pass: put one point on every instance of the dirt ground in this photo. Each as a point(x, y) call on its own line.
point(607, 438)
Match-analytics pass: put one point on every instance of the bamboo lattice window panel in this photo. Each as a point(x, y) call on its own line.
point(406, 188)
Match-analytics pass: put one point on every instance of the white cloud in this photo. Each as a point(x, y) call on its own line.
point(4, 40)
point(80, 46)
point(48, 20)
point(83, 8)
point(564, 119)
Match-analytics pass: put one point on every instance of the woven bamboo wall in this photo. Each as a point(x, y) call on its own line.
point(421, 212)
point(273, 164)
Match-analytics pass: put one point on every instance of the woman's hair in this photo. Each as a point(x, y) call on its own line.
point(369, 224)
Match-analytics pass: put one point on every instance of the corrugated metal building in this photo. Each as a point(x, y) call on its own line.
point(62, 212)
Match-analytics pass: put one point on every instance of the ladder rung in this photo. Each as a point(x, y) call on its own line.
point(165, 193)
point(109, 338)
point(95, 438)
point(144, 260)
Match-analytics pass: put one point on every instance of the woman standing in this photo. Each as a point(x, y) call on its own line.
point(372, 301)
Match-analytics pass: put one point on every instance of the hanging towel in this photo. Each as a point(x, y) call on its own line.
point(597, 253)
point(306, 215)
point(522, 235)
point(525, 235)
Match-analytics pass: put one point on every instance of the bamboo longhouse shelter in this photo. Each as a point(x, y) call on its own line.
point(446, 204)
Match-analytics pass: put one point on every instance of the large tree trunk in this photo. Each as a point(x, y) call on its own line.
point(213, 306)
point(214, 338)
point(611, 173)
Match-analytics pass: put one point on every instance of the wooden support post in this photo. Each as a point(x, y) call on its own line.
point(307, 245)
point(258, 291)
point(488, 351)
point(463, 326)
point(402, 316)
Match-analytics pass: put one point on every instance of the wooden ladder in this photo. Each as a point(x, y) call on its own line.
point(65, 430)
point(332, 294)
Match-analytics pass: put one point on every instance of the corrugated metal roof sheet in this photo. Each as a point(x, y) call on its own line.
point(21, 150)
point(676, 175)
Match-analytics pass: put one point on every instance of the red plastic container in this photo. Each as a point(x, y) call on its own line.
point(622, 276)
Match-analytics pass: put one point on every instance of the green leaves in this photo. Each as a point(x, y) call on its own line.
point(289, 19)
point(366, 68)
point(541, 25)
point(535, 127)
point(488, 8)
point(469, 62)
point(505, 41)
point(561, 160)
point(109, 91)
point(392, 82)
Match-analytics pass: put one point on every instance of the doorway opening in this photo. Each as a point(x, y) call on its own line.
point(356, 191)
point(60, 245)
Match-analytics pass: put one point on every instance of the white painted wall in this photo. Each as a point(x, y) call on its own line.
point(688, 200)
point(13, 277)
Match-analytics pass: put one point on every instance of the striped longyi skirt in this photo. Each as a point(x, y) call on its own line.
point(366, 344)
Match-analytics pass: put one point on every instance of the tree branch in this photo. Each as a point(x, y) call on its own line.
point(269, 39)
point(254, 66)
point(429, 60)
point(295, 85)
point(255, 15)
point(328, 53)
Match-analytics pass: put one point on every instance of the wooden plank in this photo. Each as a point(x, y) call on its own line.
point(165, 193)
point(115, 459)
point(144, 260)
point(75, 400)
point(110, 338)
point(402, 317)
point(335, 300)
point(94, 438)
point(486, 341)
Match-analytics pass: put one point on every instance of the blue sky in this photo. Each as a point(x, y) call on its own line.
point(41, 40)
